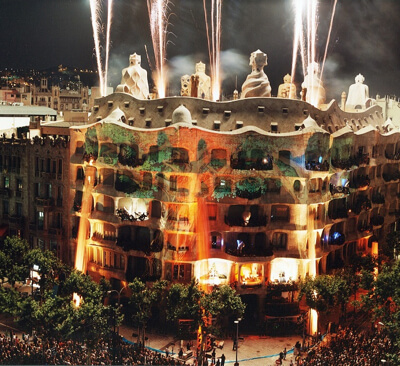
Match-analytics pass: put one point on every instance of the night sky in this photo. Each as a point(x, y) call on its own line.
point(365, 39)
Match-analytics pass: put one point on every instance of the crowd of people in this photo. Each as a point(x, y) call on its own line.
point(31, 351)
point(351, 348)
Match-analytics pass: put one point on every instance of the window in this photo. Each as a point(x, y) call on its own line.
point(60, 170)
point(178, 212)
point(48, 191)
point(212, 211)
point(5, 207)
point(173, 182)
point(40, 218)
point(280, 213)
point(6, 182)
point(18, 209)
point(279, 240)
point(181, 272)
point(53, 246)
point(147, 181)
point(37, 189)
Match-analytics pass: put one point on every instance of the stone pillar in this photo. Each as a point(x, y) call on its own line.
point(343, 101)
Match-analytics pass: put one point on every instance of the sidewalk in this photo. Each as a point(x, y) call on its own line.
point(252, 351)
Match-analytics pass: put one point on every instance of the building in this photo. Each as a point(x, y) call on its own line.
point(251, 193)
point(34, 176)
point(60, 99)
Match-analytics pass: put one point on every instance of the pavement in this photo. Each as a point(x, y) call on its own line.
point(253, 350)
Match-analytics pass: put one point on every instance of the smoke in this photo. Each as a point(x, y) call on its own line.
point(234, 65)
point(335, 82)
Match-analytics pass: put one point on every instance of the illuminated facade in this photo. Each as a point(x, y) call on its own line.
point(248, 192)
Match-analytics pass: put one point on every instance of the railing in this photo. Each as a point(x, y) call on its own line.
point(45, 202)
point(15, 219)
point(55, 231)
point(378, 198)
point(393, 156)
point(253, 221)
point(5, 192)
point(249, 164)
point(339, 190)
point(314, 166)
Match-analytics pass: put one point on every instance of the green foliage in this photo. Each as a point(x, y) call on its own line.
point(392, 244)
point(201, 145)
point(287, 170)
point(221, 194)
point(183, 302)
point(256, 142)
point(117, 134)
point(384, 300)
point(222, 303)
point(91, 142)
point(250, 188)
point(318, 145)
point(143, 299)
point(126, 184)
point(12, 257)
point(324, 292)
point(162, 138)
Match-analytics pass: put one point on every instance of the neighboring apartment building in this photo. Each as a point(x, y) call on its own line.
point(34, 175)
point(250, 193)
point(60, 99)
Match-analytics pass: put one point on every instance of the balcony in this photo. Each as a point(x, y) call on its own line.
point(56, 231)
point(250, 164)
point(365, 228)
point(346, 164)
point(44, 202)
point(16, 219)
point(254, 221)
point(377, 220)
point(339, 190)
point(393, 156)
point(319, 167)
point(378, 198)
point(48, 175)
point(5, 192)
point(361, 181)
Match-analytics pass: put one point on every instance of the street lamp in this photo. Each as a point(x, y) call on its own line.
point(237, 339)
point(118, 305)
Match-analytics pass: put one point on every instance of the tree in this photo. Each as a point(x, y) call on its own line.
point(324, 292)
point(12, 257)
point(384, 301)
point(141, 302)
point(48, 267)
point(223, 304)
point(391, 247)
point(183, 302)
